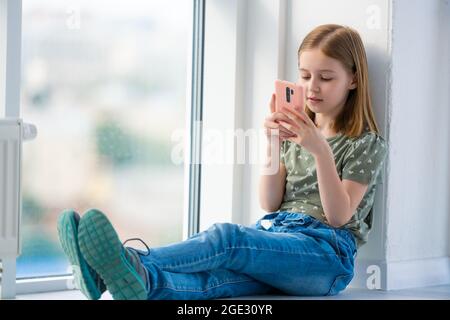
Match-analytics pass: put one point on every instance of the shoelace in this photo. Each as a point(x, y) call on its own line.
point(142, 241)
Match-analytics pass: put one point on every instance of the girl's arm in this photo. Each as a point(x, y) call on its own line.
point(271, 186)
point(335, 199)
point(339, 198)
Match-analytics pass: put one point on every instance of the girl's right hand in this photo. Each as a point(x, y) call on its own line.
point(271, 122)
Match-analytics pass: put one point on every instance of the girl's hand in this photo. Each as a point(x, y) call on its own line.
point(272, 123)
point(306, 133)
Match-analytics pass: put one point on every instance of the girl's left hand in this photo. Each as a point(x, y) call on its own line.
point(307, 134)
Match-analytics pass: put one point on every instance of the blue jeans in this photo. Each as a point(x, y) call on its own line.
point(284, 252)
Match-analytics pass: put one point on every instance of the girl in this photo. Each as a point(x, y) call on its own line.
point(319, 201)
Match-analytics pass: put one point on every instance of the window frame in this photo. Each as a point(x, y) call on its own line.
point(194, 119)
point(10, 49)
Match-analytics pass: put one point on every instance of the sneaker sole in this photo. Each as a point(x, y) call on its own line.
point(102, 249)
point(68, 237)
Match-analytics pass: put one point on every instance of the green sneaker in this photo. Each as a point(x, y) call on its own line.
point(86, 279)
point(120, 268)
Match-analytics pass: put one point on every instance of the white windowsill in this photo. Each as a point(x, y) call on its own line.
point(435, 293)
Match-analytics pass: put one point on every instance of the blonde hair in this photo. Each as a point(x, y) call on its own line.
point(344, 44)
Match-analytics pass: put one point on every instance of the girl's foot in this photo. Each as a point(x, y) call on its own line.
point(120, 268)
point(86, 279)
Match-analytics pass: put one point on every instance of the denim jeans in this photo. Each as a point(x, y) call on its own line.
point(284, 252)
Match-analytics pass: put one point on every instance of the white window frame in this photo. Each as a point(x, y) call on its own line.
point(10, 53)
point(194, 115)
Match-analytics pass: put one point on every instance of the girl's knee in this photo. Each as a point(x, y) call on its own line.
point(225, 229)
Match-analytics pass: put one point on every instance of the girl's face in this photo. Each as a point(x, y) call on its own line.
point(324, 78)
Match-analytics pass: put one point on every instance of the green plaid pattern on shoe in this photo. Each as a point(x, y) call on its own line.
point(120, 268)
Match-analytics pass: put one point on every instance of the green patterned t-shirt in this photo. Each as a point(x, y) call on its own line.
point(359, 159)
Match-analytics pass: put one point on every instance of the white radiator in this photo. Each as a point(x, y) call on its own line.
point(12, 133)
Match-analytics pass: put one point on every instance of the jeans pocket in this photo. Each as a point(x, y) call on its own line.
point(339, 284)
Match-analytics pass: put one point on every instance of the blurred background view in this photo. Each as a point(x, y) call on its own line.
point(105, 84)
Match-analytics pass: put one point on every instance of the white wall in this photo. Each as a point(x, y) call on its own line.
point(219, 100)
point(418, 205)
point(418, 198)
point(242, 57)
point(263, 64)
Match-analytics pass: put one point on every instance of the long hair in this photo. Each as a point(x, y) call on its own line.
point(344, 44)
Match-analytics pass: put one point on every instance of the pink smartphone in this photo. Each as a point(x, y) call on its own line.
point(288, 94)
